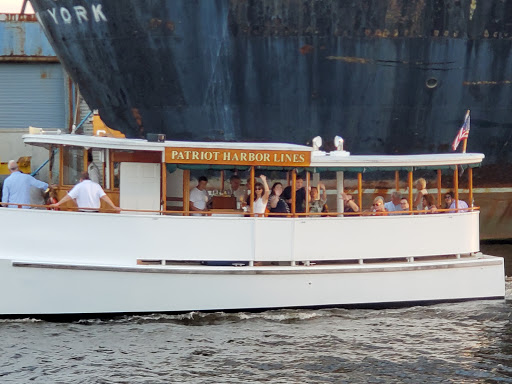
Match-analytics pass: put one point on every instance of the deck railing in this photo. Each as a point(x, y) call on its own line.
point(249, 214)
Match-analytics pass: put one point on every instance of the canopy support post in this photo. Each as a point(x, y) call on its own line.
point(456, 186)
point(186, 192)
point(470, 185)
point(164, 183)
point(61, 166)
point(308, 192)
point(50, 165)
point(439, 198)
point(252, 190)
point(339, 191)
point(294, 192)
point(360, 190)
point(409, 183)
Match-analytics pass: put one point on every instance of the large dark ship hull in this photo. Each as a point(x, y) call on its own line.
point(390, 76)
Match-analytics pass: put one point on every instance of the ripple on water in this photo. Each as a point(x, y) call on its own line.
point(455, 342)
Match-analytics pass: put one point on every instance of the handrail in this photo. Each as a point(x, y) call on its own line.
point(249, 214)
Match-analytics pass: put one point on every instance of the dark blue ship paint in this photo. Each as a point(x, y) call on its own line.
point(390, 77)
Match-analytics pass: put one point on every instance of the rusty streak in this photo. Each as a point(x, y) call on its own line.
point(21, 59)
point(347, 59)
point(487, 82)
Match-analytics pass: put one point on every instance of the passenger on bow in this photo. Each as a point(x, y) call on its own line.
point(378, 208)
point(261, 195)
point(300, 195)
point(349, 205)
point(317, 202)
point(394, 204)
point(87, 195)
point(429, 203)
point(276, 204)
point(449, 203)
point(421, 185)
point(404, 205)
point(199, 196)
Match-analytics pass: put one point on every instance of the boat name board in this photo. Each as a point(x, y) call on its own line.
point(237, 157)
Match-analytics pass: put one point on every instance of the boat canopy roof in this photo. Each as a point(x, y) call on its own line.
point(176, 152)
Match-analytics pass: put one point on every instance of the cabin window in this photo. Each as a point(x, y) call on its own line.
point(73, 164)
point(95, 165)
point(116, 174)
point(54, 165)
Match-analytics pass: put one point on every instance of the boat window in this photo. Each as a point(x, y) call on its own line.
point(115, 172)
point(95, 165)
point(54, 166)
point(73, 164)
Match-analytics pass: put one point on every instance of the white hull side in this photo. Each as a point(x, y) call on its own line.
point(123, 239)
point(67, 289)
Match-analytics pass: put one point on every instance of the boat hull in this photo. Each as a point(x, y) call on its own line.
point(131, 263)
point(56, 289)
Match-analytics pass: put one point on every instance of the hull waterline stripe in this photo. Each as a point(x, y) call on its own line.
point(417, 266)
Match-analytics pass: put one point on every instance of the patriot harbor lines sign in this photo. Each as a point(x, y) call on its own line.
point(237, 157)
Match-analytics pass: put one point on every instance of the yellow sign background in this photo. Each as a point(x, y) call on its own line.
point(237, 157)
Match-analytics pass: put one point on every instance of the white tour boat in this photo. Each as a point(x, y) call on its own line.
point(155, 256)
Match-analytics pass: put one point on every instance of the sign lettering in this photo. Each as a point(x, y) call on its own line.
point(77, 14)
point(237, 157)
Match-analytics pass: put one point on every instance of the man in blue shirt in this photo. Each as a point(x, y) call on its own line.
point(17, 186)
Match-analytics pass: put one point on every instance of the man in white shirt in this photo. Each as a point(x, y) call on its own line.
point(87, 195)
point(198, 195)
point(394, 204)
point(236, 189)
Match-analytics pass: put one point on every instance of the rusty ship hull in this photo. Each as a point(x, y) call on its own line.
point(390, 76)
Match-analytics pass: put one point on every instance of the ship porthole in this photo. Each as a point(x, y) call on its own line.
point(431, 83)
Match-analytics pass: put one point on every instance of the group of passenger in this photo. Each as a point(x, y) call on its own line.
point(276, 200)
point(423, 201)
point(87, 194)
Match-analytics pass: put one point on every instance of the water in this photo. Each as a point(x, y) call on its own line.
point(467, 342)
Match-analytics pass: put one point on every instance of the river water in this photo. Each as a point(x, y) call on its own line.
point(467, 342)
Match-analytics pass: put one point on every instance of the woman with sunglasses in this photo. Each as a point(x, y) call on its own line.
point(261, 193)
point(378, 207)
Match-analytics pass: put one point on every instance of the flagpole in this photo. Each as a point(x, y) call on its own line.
point(465, 143)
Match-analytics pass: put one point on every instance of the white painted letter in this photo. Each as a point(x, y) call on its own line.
point(81, 13)
point(66, 16)
point(98, 13)
point(53, 15)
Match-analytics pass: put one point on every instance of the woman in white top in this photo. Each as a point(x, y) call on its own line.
point(261, 193)
point(421, 184)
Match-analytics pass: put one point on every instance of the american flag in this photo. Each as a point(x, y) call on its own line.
point(463, 132)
